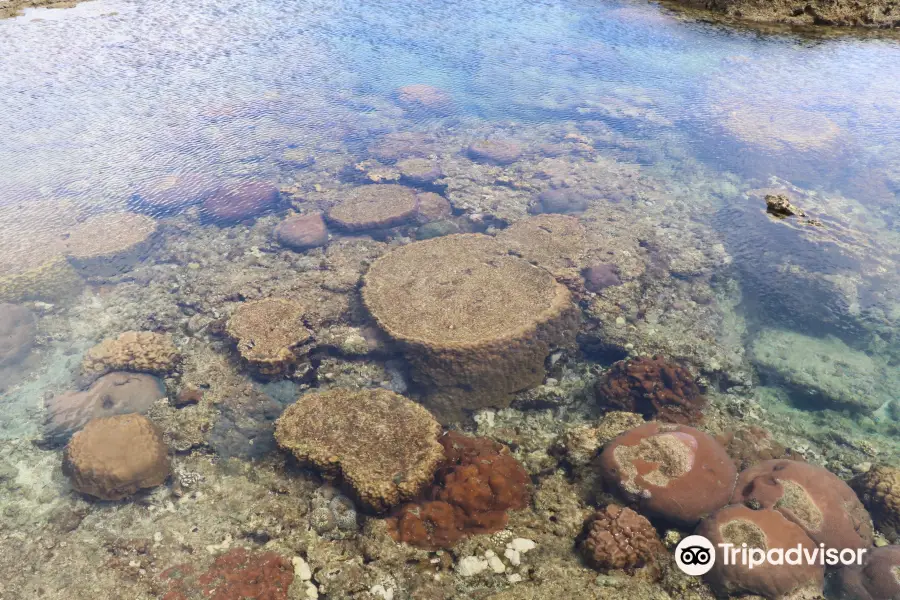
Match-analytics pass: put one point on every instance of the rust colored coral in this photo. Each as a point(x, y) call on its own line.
point(619, 538)
point(475, 486)
point(654, 388)
point(235, 575)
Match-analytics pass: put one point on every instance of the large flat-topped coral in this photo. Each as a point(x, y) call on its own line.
point(459, 289)
point(475, 322)
point(374, 207)
point(381, 444)
point(270, 335)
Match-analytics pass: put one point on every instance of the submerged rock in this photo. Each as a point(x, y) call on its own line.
point(420, 97)
point(241, 201)
point(843, 13)
point(600, 276)
point(172, 193)
point(475, 323)
point(17, 331)
point(780, 206)
point(113, 394)
point(821, 372)
point(302, 232)
point(114, 457)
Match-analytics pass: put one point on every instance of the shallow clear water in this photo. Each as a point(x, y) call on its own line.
point(674, 130)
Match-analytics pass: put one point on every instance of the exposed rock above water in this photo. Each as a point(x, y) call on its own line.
point(841, 13)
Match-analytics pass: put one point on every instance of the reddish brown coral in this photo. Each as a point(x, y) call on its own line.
point(619, 538)
point(653, 387)
point(474, 487)
point(674, 472)
point(235, 575)
point(812, 497)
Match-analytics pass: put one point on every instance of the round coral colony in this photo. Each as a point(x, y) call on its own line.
point(877, 578)
point(737, 528)
point(673, 472)
point(114, 457)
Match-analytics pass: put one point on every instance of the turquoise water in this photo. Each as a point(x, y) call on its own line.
point(665, 133)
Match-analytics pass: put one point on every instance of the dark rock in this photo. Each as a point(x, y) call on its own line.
point(600, 276)
point(241, 201)
point(562, 201)
point(780, 206)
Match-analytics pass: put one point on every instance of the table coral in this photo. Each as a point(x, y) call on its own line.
point(554, 242)
point(661, 467)
point(270, 335)
point(812, 497)
point(110, 244)
point(475, 323)
point(376, 206)
point(619, 538)
point(653, 387)
point(382, 445)
point(762, 529)
point(235, 575)
point(141, 351)
point(474, 487)
point(879, 489)
point(878, 578)
point(114, 457)
point(17, 331)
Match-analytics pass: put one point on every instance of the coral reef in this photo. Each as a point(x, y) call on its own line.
point(751, 445)
point(582, 443)
point(271, 336)
point(495, 151)
point(240, 201)
point(879, 489)
point(170, 194)
point(141, 351)
point(114, 457)
point(17, 331)
point(812, 497)
point(117, 393)
point(821, 371)
point(654, 388)
point(32, 251)
point(618, 538)
point(333, 515)
point(419, 171)
point(110, 244)
point(662, 466)
point(424, 98)
point(475, 323)
point(475, 485)
point(383, 446)
point(302, 232)
point(761, 529)
point(876, 579)
point(433, 207)
point(375, 206)
point(235, 575)
point(781, 129)
point(842, 13)
point(554, 242)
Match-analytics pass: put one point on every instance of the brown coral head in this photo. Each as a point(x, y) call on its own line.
point(619, 538)
point(810, 496)
point(740, 526)
point(877, 578)
point(662, 467)
point(653, 387)
point(475, 486)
